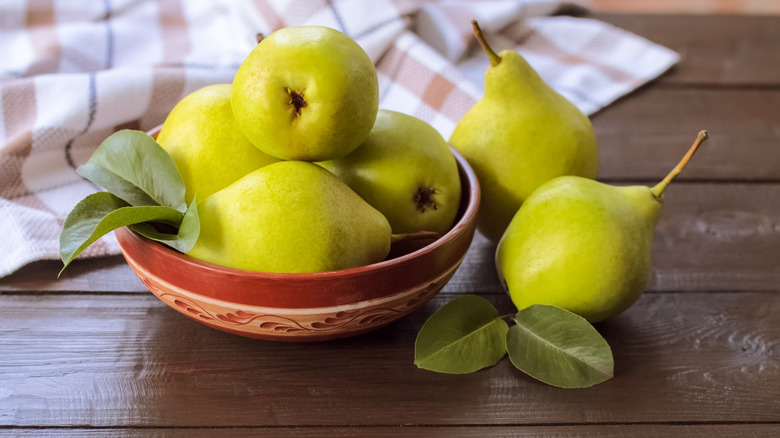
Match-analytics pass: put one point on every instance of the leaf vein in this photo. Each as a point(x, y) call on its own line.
point(456, 341)
point(562, 350)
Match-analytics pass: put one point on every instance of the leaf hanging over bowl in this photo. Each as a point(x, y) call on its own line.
point(145, 190)
point(102, 212)
point(132, 166)
point(184, 239)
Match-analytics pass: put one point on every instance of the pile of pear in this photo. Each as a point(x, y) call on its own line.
point(295, 169)
point(564, 239)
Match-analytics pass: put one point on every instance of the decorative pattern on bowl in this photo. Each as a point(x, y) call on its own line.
point(294, 324)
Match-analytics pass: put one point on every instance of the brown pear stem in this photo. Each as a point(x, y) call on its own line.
point(259, 37)
point(658, 190)
point(415, 236)
point(494, 58)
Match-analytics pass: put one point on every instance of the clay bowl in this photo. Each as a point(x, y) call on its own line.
point(305, 307)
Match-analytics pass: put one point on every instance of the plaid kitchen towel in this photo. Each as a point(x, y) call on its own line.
point(74, 71)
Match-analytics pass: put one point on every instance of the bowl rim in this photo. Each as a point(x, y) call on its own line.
point(469, 212)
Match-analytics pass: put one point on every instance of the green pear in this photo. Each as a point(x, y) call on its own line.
point(306, 93)
point(203, 139)
point(404, 169)
point(290, 216)
point(582, 245)
point(521, 134)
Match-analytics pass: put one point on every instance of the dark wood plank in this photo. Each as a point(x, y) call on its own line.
point(718, 237)
point(644, 135)
point(717, 50)
point(105, 274)
point(711, 237)
point(129, 361)
point(601, 431)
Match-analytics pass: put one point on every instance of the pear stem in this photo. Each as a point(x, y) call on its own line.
point(494, 58)
point(658, 190)
point(415, 236)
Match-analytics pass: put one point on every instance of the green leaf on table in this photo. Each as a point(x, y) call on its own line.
point(132, 166)
point(559, 348)
point(188, 233)
point(464, 336)
point(102, 212)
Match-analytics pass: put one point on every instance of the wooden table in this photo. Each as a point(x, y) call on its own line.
point(95, 354)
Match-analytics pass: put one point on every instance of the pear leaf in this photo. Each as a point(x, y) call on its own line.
point(132, 166)
point(185, 239)
point(102, 212)
point(559, 348)
point(464, 336)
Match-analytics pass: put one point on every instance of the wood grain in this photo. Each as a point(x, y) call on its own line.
point(645, 135)
point(126, 360)
point(721, 51)
point(596, 430)
point(104, 274)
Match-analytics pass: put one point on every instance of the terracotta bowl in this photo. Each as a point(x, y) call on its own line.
point(305, 307)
